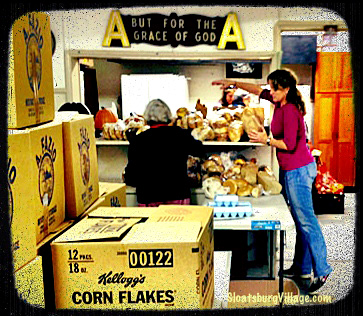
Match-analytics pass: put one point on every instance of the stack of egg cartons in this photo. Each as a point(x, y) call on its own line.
point(227, 206)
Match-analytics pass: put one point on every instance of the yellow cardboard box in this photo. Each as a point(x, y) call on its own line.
point(111, 262)
point(118, 212)
point(21, 199)
point(30, 80)
point(29, 283)
point(111, 194)
point(114, 193)
point(80, 162)
point(47, 176)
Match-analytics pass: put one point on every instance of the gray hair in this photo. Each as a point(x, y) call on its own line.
point(157, 111)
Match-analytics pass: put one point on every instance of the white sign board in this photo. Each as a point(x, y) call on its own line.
point(138, 90)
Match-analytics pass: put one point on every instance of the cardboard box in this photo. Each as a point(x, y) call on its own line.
point(39, 151)
point(29, 283)
point(261, 293)
point(111, 194)
point(44, 251)
point(80, 162)
point(114, 194)
point(123, 212)
point(30, 80)
point(46, 157)
point(21, 200)
point(114, 260)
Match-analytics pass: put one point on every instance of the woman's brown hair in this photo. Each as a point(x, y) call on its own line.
point(283, 78)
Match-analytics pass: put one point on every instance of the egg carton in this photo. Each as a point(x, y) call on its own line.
point(227, 200)
point(240, 210)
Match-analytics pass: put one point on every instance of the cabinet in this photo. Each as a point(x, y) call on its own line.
point(333, 72)
point(334, 121)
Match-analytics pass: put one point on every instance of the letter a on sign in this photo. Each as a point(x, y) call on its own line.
point(236, 36)
point(115, 30)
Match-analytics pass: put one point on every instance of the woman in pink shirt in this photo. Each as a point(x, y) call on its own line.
point(298, 169)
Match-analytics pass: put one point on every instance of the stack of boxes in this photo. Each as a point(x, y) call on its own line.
point(52, 159)
point(57, 206)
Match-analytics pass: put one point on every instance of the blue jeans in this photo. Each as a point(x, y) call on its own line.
point(310, 247)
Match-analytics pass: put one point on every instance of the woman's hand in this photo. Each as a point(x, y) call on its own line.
point(223, 83)
point(258, 137)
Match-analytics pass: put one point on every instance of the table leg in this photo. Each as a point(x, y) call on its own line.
point(281, 277)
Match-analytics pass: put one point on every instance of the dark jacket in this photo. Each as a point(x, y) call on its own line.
point(157, 163)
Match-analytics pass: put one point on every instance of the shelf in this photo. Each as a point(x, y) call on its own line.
point(106, 142)
point(215, 143)
point(111, 142)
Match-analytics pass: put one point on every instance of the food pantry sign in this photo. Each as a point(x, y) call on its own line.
point(174, 30)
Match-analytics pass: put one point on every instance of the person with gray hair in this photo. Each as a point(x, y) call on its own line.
point(157, 159)
point(157, 111)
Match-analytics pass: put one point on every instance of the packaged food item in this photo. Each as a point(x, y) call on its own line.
point(249, 172)
point(207, 163)
point(135, 121)
point(245, 190)
point(269, 182)
point(194, 120)
point(220, 127)
point(105, 131)
point(235, 131)
point(252, 119)
point(203, 133)
point(325, 183)
point(213, 186)
point(215, 169)
point(232, 185)
point(119, 127)
point(257, 190)
point(181, 112)
point(111, 131)
point(217, 158)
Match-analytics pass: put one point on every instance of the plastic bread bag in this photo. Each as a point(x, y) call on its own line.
point(220, 128)
point(266, 178)
point(134, 121)
point(213, 186)
point(111, 131)
point(203, 133)
point(235, 131)
point(194, 120)
point(105, 131)
point(119, 129)
point(249, 172)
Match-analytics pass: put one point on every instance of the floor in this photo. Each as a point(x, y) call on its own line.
point(340, 236)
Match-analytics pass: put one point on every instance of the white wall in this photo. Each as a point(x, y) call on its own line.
point(84, 29)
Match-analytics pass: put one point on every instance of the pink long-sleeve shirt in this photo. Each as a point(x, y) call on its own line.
point(288, 125)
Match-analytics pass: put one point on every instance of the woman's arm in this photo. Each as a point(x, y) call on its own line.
point(261, 137)
point(250, 87)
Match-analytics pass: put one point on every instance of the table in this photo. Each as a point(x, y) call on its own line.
point(271, 214)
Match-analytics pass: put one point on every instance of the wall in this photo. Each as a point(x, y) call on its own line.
point(73, 31)
point(199, 79)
